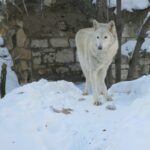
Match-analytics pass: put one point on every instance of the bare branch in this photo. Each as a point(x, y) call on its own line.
point(17, 7)
point(140, 40)
point(25, 7)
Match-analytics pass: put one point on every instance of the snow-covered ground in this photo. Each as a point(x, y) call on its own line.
point(11, 78)
point(129, 5)
point(55, 116)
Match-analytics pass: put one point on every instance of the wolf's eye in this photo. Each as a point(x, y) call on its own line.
point(105, 37)
point(97, 37)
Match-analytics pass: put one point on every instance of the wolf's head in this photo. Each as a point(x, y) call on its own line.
point(104, 34)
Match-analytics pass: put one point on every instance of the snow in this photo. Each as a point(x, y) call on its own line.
point(11, 78)
point(55, 116)
point(1, 41)
point(129, 5)
point(128, 47)
point(133, 132)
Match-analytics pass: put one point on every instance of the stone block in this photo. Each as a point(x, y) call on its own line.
point(124, 74)
point(124, 59)
point(23, 65)
point(62, 70)
point(36, 54)
point(49, 57)
point(37, 60)
point(75, 67)
point(59, 42)
point(39, 43)
point(124, 66)
point(21, 38)
point(65, 56)
point(72, 43)
point(22, 53)
point(144, 61)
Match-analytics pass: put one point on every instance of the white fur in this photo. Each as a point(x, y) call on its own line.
point(95, 62)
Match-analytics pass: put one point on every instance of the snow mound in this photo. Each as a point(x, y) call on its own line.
point(129, 5)
point(55, 116)
point(132, 132)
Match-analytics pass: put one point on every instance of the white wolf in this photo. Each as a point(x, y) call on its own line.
point(96, 48)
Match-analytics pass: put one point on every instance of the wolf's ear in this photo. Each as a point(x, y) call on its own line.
point(111, 26)
point(95, 24)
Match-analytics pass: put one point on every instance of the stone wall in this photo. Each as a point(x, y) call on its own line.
point(55, 58)
point(43, 46)
point(142, 68)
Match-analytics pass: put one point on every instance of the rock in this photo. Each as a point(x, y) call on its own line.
point(48, 3)
point(23, 65)
point(20, 23)
point(9, 35)
point(47, 50)
point(36, 54)
point(62, 26)
point(59, 42)
point(49, 58)
point(22, 53)
point(124, 66)
point(21, 38)
point(35, 66)
point(72, 43)
point(75, 67)
point(124, 74)
point(124, 59)
point(65, 56)
point(144, 61)
point(45, 71)
point(39, 43)
point(77, 59)
point(27, 43)
point(62, 70)
point(37, 60)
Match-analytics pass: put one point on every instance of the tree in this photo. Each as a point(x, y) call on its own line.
point(119, 32)
point(3, 80)
point(140, 40)
point(101, 10)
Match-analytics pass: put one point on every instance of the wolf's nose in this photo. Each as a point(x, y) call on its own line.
point(99, 47)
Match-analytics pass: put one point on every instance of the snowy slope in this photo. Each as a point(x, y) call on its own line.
point(55, 116)
point(129, 5)
point(133, 132)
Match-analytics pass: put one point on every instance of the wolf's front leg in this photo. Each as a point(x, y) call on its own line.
point(87, 85)
point(105, 91)
point(95, 89)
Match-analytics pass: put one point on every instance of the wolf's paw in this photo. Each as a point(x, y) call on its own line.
point(97, 103)
point(84, 93)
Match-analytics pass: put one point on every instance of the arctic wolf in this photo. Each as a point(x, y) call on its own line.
point(96, 48)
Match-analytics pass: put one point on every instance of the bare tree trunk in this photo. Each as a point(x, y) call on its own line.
point(140, 40)
point(119, 32)
point(101, 10)
point(3, 80)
